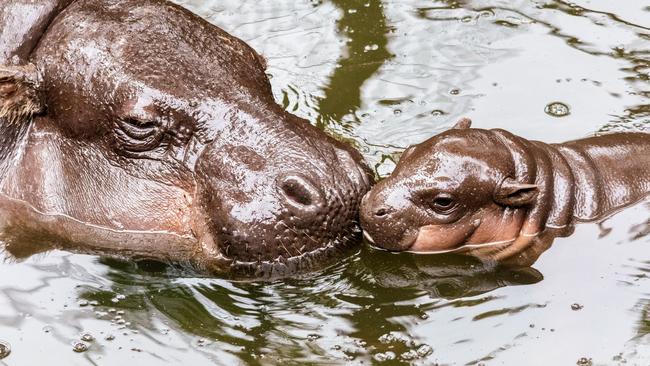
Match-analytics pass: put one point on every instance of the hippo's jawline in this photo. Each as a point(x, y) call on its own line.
point(60, 231)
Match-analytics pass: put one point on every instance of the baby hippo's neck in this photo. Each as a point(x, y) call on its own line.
point(593, 177)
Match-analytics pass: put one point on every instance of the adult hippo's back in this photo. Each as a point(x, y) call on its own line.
point(135, 128)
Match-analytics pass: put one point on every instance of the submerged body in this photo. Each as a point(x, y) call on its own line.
point(499, 196)
point(135, 128)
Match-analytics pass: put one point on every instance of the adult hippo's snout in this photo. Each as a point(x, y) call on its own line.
point(273, 203)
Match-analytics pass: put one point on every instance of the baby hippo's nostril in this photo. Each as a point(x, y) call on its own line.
point(299, 191)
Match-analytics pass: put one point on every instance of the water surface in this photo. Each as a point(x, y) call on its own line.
point(384, 75)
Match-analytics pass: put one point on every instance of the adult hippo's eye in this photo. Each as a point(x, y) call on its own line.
point(139, 135)
point(443, 204)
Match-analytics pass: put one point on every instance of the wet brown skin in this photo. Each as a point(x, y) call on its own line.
point(500, 197)
point(134, 128)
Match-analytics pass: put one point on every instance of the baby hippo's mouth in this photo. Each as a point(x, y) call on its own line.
point(428, 240)
point(408, 240)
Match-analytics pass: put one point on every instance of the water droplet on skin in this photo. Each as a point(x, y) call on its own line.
point(5, 349)
point(557, 109)
point(80, 347)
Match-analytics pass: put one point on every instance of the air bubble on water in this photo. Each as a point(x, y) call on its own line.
point(83, 303)
point(576, 307)
point(87, 337)
point(371, 47)
point(5, 349)
point(424, 350)
point(117, 298)
point(454, 91)
point(312, 337)
point(487, 13)
point(80, 347)
point(584, 361)
point(352, 11)
point(409, 355)
point(383, 357)
point(557, 109)
point(397, 112)
point(437, 112)
point(466, 19)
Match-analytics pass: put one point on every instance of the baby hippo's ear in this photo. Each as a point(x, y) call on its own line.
point(514, 194)
point(463, 123)
point(20, 93)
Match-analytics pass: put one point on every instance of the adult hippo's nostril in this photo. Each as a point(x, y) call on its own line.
point(300, 192)
point(381, 212)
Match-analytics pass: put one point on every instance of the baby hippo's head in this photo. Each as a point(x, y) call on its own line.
point(462, 190)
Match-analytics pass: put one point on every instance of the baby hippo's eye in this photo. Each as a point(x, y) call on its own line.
point(443, 203)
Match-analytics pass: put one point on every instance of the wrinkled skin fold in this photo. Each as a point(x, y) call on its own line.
point(134, 128)
point(500, 197)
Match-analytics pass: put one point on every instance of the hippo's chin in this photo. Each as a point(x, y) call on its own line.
point(284, 266)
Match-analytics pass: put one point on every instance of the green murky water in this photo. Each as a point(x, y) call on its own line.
point(385, 75)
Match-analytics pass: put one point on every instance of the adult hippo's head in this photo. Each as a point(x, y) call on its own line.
point(135, 117)
point(465, 190)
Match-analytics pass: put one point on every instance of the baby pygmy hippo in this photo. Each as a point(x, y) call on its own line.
point(489, 193)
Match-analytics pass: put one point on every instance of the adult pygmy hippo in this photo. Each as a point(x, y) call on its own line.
point(490, 193)
point(135, 128)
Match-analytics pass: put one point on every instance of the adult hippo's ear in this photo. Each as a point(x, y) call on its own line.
point(515, 194)
point(409, 150)
point(20, 93)
point(463, 124)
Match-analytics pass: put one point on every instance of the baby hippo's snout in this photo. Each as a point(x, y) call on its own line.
point(383, 222)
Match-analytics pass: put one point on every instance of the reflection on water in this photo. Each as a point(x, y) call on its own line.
point(385, 75)
point(364, 24)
